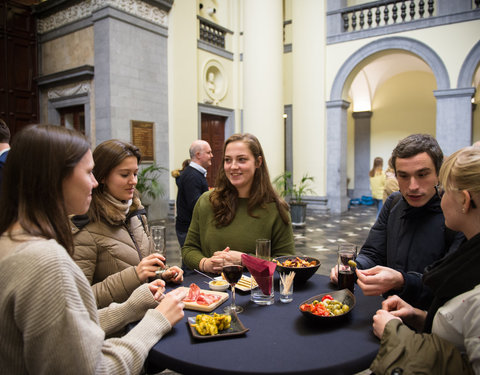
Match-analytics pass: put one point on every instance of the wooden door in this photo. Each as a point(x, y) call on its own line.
point(18, 66)
point(213, 131)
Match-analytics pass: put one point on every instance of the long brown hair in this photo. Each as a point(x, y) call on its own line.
point(224, 198)
point(107, 155)
point(377, 166)
point(42, 156)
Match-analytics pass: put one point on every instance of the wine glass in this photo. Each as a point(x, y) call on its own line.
point(232, 273)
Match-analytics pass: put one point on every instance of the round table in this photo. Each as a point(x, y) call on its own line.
point(280, 339)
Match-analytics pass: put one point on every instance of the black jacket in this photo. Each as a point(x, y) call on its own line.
point(408, 239)
point(191, 184)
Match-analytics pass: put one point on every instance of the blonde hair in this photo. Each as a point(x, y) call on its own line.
point(461, 171)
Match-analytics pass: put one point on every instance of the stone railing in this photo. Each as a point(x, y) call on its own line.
point(392, 16)
point(382, 13)
point(211, 33)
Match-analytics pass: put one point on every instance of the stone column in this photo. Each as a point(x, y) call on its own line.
point(337, 155)
point(362, 153)
point(263, 78)
point(454, 118)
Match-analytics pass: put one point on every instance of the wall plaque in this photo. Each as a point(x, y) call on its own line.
point(142, 137)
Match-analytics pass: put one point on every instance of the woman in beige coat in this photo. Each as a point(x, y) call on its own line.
point(112, 242)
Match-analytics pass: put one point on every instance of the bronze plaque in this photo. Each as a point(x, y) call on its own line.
point(142, 137)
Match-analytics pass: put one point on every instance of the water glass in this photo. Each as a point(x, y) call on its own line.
point(263, 249)
point(159, 239)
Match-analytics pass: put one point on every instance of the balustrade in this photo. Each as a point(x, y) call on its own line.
point(371, 13)
point(212, 34)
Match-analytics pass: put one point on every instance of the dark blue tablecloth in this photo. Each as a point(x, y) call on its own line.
point(280, 340)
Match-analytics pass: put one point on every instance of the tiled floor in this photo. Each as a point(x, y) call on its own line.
point(319, 238)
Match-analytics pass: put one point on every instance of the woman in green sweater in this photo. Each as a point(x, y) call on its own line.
point(243, 207)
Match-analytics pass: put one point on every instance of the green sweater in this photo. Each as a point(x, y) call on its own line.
point(204, 238)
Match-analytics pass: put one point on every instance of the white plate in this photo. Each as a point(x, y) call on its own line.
point(243, 284)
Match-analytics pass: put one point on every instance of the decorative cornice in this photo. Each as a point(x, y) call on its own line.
point(86, 8)
point(76, 89)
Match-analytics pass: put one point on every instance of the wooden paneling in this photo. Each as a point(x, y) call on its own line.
point(18, 66)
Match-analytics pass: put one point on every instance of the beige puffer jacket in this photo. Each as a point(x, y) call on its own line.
point(107, 254)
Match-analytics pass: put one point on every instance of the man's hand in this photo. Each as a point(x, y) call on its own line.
point(378, 280)
point(334, 275)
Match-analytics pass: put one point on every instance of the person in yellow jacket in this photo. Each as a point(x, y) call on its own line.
point(377, 182)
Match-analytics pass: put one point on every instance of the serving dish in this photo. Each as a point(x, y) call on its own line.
point(215, 285)
point(206, 308)
point(345, 296)
point(302, 274)
point(236, 329)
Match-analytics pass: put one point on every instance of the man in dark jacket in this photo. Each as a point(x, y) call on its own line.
point(410, 231)
point(191, 183)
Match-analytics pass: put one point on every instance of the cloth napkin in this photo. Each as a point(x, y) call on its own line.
point(260, 269)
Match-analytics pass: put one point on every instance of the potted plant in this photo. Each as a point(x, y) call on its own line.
point(295, 193)
point(147, 183)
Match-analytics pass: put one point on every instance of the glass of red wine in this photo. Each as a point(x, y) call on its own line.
point(232, 273)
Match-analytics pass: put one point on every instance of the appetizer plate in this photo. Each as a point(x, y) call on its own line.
point(206, 308)
point(243, 284)
point(345, 296)
point(236, 329)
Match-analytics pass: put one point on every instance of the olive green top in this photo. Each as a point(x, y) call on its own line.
point(204, 238)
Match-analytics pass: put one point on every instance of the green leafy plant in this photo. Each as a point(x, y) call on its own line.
point(147, 181)
point(286, 188)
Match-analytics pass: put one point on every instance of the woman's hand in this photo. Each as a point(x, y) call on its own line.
point(149, 265)
point(380, 320)
point(172, 306)
point(412, 316)
point(157, 287)
point(173, 274)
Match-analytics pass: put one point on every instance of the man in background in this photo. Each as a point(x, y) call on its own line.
point(410, 233)
point(191, 183)
point(4, 146)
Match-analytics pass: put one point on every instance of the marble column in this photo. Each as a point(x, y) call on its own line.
point(362, 153)
point(454, 118)
point(263, 78)
point(337, 155)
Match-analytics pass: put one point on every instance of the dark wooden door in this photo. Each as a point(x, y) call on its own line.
point(213, 131)
point(18, 65)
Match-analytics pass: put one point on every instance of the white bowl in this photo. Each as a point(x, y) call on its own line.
point(218, 285)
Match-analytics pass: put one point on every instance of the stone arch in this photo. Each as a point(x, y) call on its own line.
point(337, 108)
point(397, 43)
point(469, 66)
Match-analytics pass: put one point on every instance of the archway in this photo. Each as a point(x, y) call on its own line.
point(338, 105)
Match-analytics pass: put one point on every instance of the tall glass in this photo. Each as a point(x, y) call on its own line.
point(159, 239)
point(232, 273)
point(346, 269)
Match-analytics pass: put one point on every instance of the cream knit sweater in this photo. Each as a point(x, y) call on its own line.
point(50, 323)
